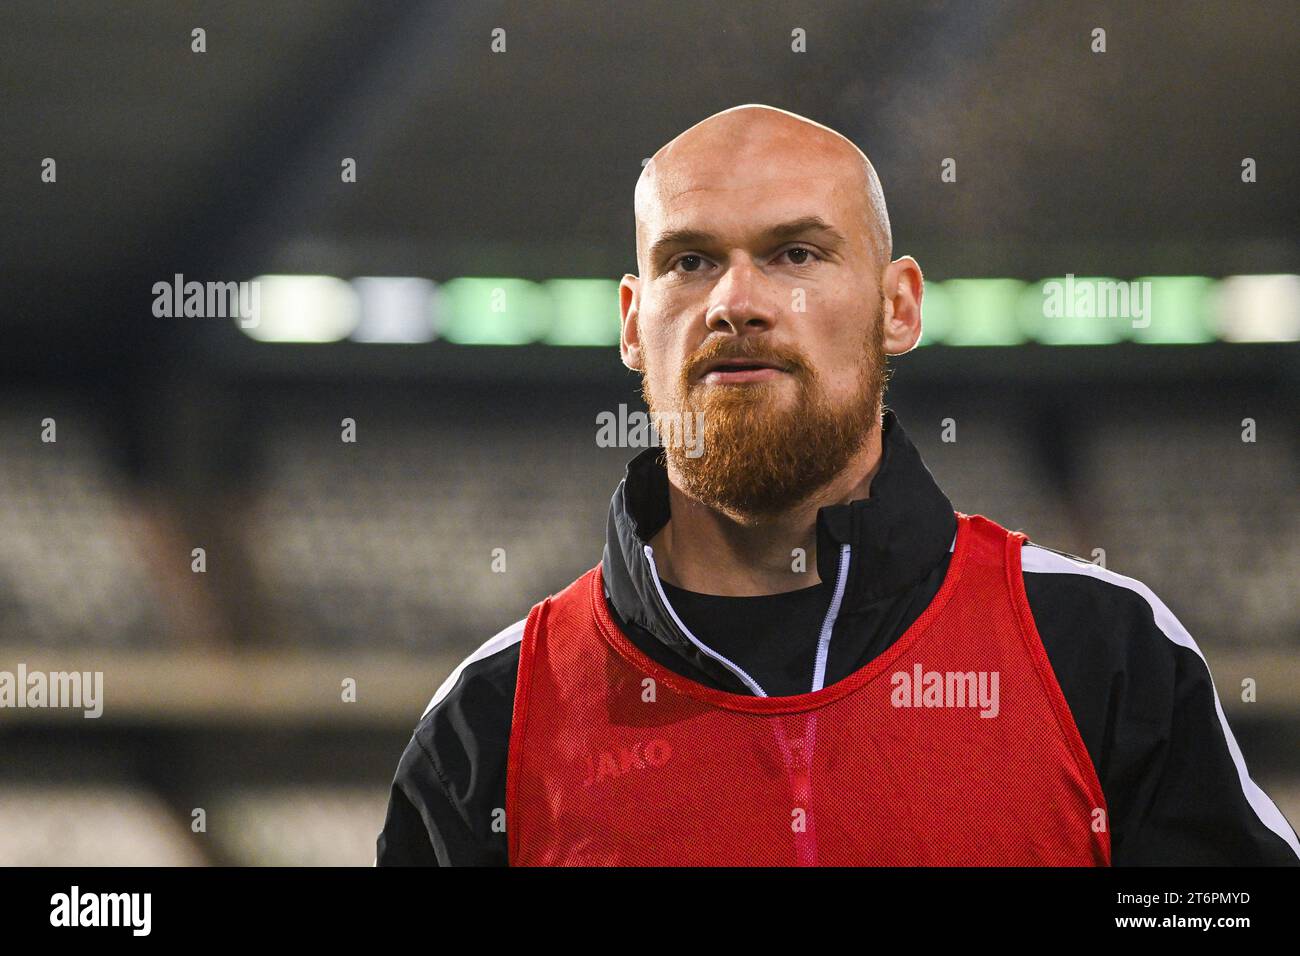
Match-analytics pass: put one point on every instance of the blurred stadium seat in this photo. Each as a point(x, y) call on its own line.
point(71, 573)
point(298, 825)
point(392, 539)
point(994, 469)
point(106, 825)
point(1209, 522)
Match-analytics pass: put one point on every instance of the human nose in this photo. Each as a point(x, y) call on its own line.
point(738, 304)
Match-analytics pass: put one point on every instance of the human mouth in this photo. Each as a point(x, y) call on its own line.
point(742, 372)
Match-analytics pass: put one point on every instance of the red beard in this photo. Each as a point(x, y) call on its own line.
point(762, 453)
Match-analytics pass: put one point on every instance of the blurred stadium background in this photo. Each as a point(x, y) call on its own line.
point(476, 429)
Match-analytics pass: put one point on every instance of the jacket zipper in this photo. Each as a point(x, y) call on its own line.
point(798, 774)
point(700, 645)
point(823, 638)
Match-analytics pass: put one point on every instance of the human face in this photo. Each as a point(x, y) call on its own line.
point(759, 304)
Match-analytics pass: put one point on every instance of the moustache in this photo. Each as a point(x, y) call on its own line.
point(746, 350)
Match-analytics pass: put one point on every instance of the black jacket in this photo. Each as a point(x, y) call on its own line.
point(1139, 689)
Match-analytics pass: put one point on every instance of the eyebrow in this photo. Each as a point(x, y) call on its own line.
point(683, 238)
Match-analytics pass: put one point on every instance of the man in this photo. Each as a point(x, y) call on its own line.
point(794, 651)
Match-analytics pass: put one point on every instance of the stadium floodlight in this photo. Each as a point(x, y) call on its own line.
point(1179, 311)
point(983, 312)
point(1078, 310)
point(304, 308)
point(585, 312)
point(487, 311)
point(395, 310)
point(1263, 308)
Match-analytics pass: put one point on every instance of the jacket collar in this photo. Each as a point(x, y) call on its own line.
point(896, 537)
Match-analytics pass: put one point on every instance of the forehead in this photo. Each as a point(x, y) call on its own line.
point(721, 186)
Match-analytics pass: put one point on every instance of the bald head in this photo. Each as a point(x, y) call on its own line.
point(740, 147)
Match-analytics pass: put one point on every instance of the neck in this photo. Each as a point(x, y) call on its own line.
point(705, 550)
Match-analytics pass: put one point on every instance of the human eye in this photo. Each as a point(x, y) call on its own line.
point(801, 255)
point(694, 263)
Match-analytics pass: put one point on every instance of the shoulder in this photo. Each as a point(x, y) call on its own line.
point(1119, 654)
point(484, 671)
point(1146, 705)
point(463, 736)
point(1104, 609)
point(449, 787)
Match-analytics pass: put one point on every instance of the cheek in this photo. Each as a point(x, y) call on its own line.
point(663, 356)
point(839, 364)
